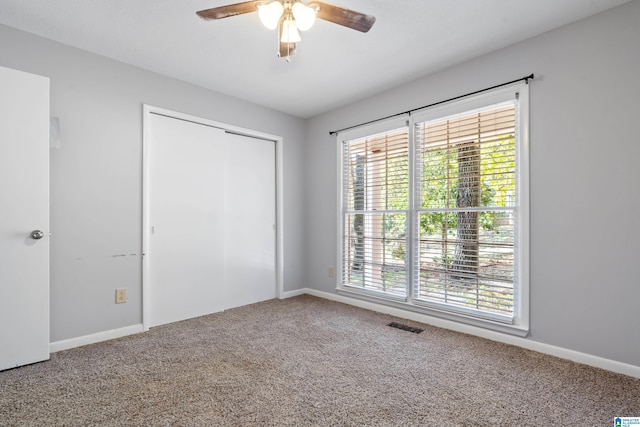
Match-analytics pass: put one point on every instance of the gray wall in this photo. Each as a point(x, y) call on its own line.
point(96, 175)
point(585, 146)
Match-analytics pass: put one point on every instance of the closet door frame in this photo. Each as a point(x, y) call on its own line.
point(148, 110)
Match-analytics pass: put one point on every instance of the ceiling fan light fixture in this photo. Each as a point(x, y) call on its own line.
point(270, 14)
point(305, 16)
point(290, 32)
point(289, 16)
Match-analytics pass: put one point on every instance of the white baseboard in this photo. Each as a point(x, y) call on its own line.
point(94, 338)
point(295, 293)
point(563, 353)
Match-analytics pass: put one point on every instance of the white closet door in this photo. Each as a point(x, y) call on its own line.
point(250, 218)
point(186, 219)
point(24, 208)
point(211, 207)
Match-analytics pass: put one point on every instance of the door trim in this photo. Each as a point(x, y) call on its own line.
point(147, 111)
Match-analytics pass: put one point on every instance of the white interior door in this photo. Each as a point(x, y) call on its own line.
point(186, 187)
point(250, 220)
point(24, 208)
point(211, 228)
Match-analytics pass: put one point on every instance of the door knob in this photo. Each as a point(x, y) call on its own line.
point(37, 234)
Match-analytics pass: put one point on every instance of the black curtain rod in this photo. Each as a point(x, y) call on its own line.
point(526, 80)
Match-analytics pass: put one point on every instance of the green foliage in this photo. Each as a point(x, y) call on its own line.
point(440, 183)
point(399, 252)
point(394, 241)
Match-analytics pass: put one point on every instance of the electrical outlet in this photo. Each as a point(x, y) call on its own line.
point(121, 295)
point(330, 272)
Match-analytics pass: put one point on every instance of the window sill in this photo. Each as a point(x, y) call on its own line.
point(402, 304)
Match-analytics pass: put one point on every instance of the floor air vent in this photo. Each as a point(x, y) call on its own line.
point(405, 327)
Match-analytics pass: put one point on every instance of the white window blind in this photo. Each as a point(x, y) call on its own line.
point(466, 171)
point(376, 183)
point(434, 215)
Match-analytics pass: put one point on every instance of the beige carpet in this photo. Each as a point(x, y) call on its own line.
point(307, 361)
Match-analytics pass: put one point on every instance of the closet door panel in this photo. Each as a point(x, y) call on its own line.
point(250, 220)
point(186, 219)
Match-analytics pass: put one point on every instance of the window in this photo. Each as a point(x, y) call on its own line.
point(375, 220)
point(434, 210)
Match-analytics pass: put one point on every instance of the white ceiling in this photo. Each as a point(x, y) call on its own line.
point(333, 65)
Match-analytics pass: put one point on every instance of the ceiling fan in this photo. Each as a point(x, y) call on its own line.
point(289, 16)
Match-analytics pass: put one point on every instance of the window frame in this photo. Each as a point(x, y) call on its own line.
point(372, 130)
point(519, 324)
